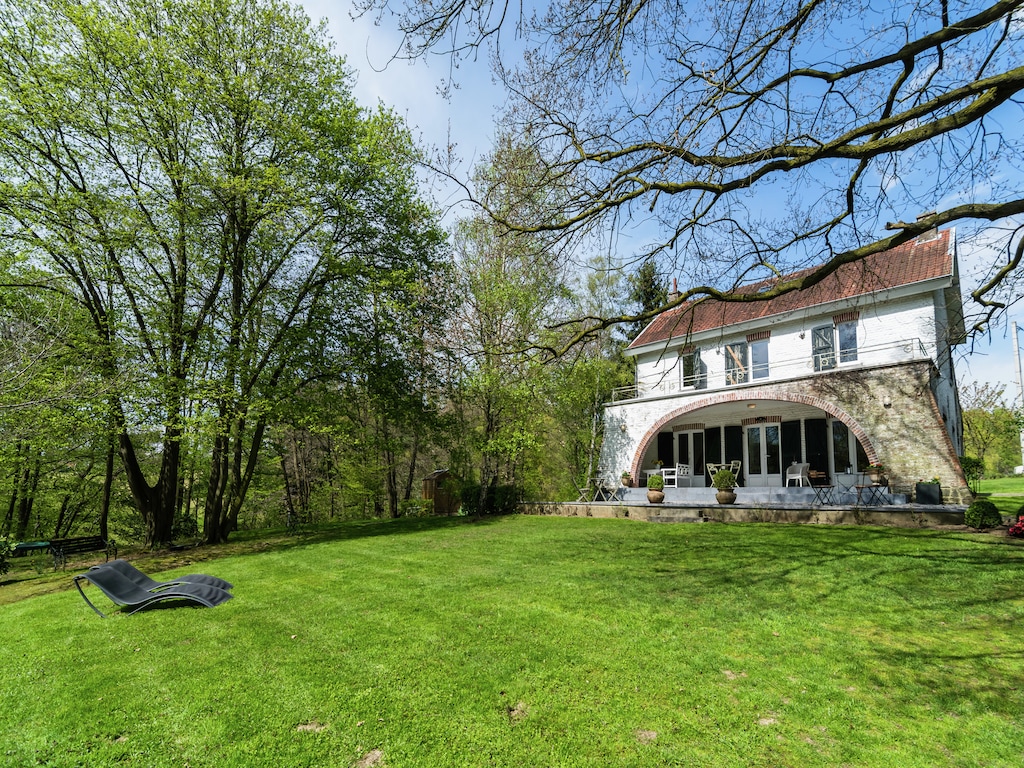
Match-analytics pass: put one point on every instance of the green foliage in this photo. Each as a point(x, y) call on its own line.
point(237, 228)
point(416, 507)
point(991, 429)
point(656, 483)
point(973, 469)
point(6, 548)
point(982, 514)
point(724, 480)
point(185, 527)
point(490, 499)
point(647, 292)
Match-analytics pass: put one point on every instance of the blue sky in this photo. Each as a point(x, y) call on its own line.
point(466, 118)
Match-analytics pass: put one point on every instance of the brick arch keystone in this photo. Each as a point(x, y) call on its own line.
point(734, 397)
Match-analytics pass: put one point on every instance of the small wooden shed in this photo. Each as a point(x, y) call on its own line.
point(442, 488)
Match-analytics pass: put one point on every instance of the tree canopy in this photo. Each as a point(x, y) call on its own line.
point(195, 176)
point(749, 139)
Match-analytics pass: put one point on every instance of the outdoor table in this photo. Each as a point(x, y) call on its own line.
point(823, 494)
point(650, 472)
point(31, 546)
point(869, 495)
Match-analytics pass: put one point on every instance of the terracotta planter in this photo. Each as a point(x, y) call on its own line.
point(655, 497)
point(726, 496)
point(876, 477)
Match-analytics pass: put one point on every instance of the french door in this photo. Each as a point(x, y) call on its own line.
point(763, 455)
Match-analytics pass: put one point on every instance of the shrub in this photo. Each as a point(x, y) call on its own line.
point(656, 483)
point(6, 547)
point(185, 526)
point(494, 500)
point(416, 507)
point(982, 514)
point(724, 480)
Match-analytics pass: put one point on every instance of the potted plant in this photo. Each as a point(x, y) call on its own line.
point(928, 492)
point(875, 470)
point(627, 480)
point(656, 489)
point(724, 480)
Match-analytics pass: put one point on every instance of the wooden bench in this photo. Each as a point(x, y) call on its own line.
point(61, 548)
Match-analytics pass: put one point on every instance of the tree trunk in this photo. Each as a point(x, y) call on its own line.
point(155, 503)
point(108, 482)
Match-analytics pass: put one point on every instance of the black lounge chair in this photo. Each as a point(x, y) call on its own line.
point(125, 592)
point(138, 577)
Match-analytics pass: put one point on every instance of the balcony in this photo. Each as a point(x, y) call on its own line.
point(778, 370)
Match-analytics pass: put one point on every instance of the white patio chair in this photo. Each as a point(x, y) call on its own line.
point(684, 475)
point(800, 473)
point(669, 475)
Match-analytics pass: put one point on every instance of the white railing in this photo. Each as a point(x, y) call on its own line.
point(781, 370)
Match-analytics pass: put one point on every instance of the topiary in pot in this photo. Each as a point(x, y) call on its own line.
point(655, 489)
point(982, 514)
point(724, 480)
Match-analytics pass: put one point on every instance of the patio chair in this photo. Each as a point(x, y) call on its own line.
point(684, 475)
point(144, 581)
point(126, 593)
point(798, 472)
point(668, 474)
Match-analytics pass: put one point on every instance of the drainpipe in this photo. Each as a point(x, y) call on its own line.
point(1020, 386)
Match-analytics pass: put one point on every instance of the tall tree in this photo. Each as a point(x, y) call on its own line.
point(647, 292)
point(196, 175)
point(991, 428)
point(754, 138)
point(512, 285)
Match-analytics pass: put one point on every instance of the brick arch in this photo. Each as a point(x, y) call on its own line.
point(734, 397)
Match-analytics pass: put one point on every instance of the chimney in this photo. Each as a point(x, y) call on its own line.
point(674, 293)
point(928, 234)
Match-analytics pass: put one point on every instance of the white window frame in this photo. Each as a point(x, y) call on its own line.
point(759, 370)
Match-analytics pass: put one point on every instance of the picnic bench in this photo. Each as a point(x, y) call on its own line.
point(61, 548)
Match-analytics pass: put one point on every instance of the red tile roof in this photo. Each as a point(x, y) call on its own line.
point(912, 262)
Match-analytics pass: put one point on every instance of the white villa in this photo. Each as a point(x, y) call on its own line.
point(853, 371)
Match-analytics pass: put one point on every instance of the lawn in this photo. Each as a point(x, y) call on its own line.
point(532, 641)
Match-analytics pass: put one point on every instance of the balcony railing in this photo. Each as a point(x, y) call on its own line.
point(780, 370)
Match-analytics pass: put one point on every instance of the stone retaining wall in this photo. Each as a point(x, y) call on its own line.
point(903, 516)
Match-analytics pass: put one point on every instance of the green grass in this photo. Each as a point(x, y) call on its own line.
point(1012, 485)
point(529, 641)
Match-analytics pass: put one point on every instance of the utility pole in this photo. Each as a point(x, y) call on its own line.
point(1019, 402)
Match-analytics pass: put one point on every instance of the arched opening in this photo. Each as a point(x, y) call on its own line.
point(766, 435)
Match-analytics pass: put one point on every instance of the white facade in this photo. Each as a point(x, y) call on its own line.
point(766, 381)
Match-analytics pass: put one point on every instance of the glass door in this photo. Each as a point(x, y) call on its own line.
point(763, 455)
